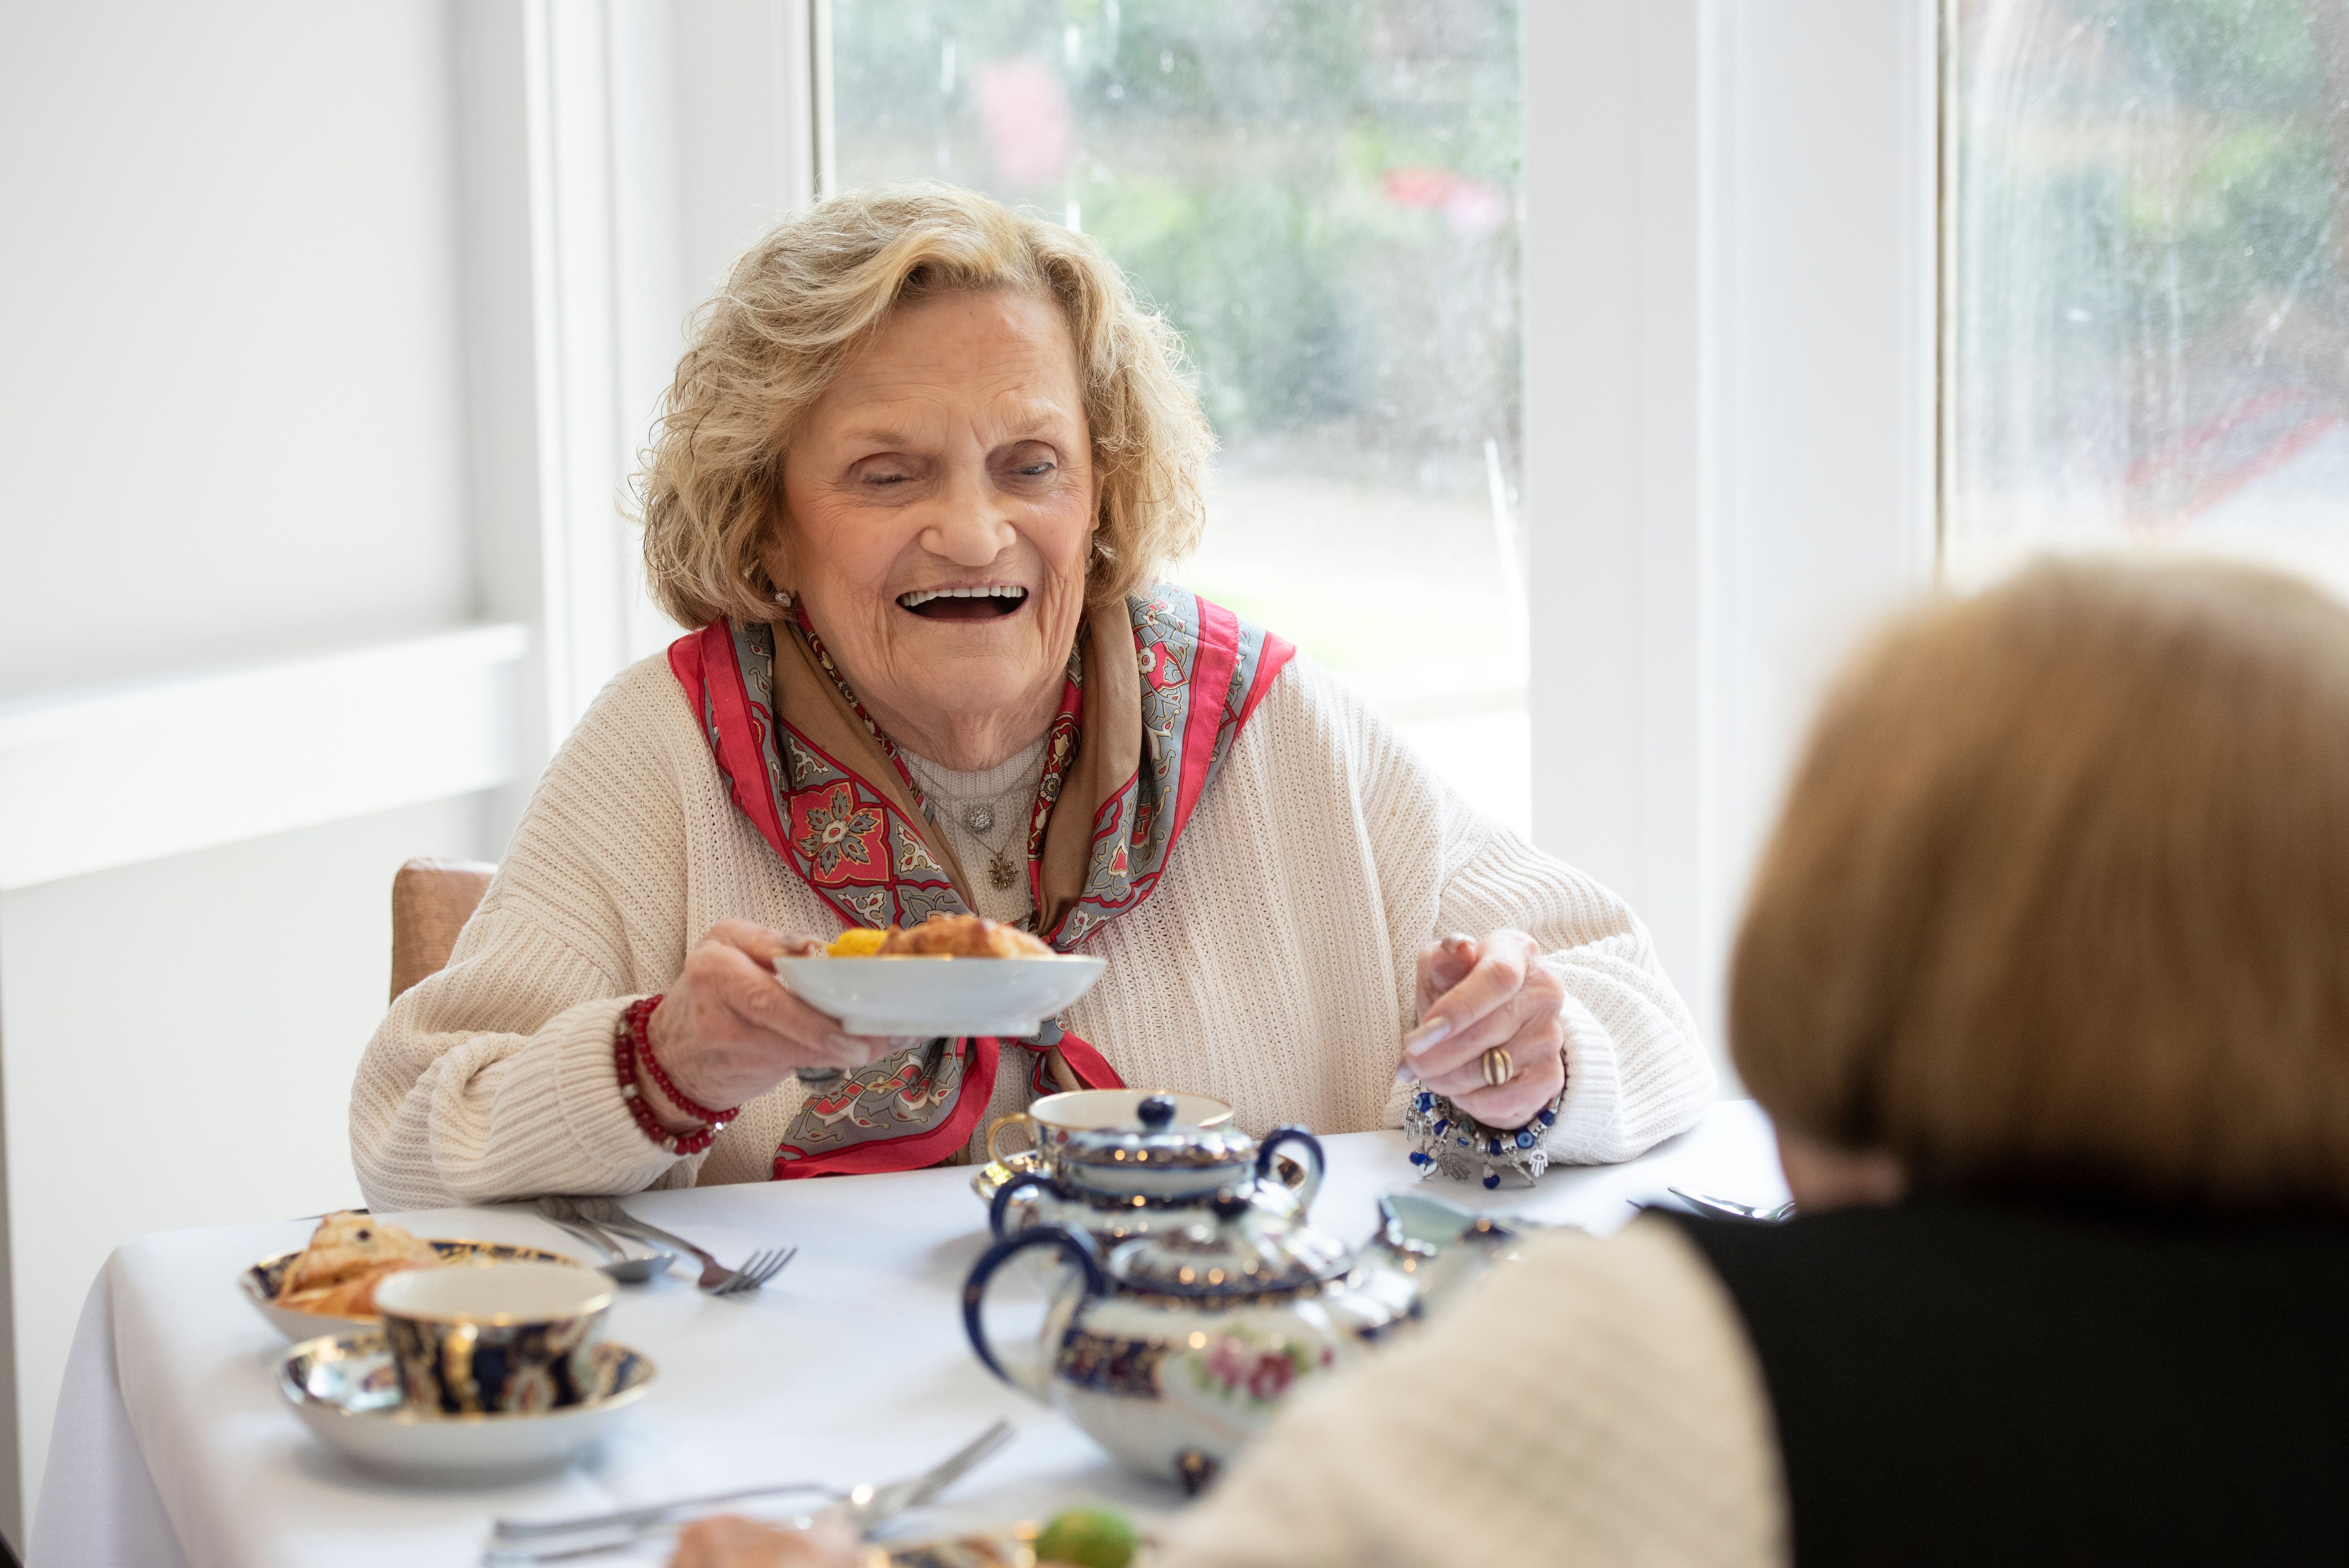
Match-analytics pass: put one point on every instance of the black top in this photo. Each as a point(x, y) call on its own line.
point(1968, 1382)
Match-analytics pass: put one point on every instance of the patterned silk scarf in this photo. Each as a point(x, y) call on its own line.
point(1148, 710)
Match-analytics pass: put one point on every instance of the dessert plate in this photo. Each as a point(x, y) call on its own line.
point(264, 1279)
point(347, 1391)
point(923, 995)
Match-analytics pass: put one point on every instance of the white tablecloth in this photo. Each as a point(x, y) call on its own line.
point(173, 1446)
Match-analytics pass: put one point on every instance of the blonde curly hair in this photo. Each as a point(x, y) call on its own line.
point(803, 300)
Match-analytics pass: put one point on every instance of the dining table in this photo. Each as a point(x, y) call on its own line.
point(173, 1444)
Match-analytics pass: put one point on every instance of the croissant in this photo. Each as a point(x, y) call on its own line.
point(964, 936)
point(347, 1245)
point(352, 1297)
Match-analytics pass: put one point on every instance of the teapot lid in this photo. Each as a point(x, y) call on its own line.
point(1183, 1154)
point(1240, 1252)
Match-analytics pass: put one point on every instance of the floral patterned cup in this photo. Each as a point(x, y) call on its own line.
point(494, 1339)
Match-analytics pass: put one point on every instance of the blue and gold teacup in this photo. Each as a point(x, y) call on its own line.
point(495, 1339)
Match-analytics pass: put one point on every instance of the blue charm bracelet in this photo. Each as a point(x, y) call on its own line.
point(1447, 1140)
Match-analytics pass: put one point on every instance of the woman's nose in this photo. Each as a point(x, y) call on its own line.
point(969, 526)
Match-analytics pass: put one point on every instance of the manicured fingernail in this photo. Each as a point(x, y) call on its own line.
point(1406, 1074)
point(1428, 1035)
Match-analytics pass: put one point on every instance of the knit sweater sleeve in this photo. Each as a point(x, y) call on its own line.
point(1636, 1072)
point(493, 1078)
point(1595, 1403)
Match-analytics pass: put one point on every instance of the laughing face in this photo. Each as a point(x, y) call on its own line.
point(940, 502)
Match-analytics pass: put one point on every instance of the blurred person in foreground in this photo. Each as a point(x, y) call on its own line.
point(2045, 979)
point(918, 476)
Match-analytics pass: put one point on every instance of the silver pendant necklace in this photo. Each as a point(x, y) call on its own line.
point(993, 820)
point(980, 820)
point(978, 816)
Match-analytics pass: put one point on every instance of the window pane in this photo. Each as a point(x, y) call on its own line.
point(2151, 303)
point(1321, 195)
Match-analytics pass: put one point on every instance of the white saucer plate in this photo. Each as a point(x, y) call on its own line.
point(264, 1279)
point(924, 995)
point(347, 1391)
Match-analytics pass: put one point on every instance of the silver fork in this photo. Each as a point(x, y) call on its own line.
point(715, 1278)
point(866, 1508)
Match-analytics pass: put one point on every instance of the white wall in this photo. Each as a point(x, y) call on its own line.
point(232, 429)
point(230, 419)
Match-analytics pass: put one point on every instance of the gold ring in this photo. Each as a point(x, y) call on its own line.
point(1499, 1066)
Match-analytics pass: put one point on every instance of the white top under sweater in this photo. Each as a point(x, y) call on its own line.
point(1596, 1403)
point(1272, 968)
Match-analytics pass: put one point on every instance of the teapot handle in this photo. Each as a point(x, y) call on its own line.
point(1081, 1250)
point(999, 1210)
point(1310, 1148)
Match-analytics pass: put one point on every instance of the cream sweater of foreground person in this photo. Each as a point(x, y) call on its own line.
point(1639, 1434)
point(1272, 968)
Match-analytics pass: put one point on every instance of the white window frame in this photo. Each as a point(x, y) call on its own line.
point(1730, 282)
point(618, 154)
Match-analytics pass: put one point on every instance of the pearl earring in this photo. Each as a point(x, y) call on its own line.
point(783, 597)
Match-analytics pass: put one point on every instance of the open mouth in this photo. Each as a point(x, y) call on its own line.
point(988, 603)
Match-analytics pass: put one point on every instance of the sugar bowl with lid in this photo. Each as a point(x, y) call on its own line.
point(1142, 1175)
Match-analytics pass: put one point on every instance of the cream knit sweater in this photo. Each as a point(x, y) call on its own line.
point(1596, 1403)
point(1272, 968)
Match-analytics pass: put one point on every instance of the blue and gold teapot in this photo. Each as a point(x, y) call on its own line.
point(1176, 1347)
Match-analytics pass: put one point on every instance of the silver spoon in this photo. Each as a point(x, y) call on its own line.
point(624, 1268)
point(1734, 1210)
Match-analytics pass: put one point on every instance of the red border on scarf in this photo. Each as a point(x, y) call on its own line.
point(1211, 679)
point(1277, 654)
point(704, 661)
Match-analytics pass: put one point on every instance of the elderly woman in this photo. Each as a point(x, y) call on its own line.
point(916, 478)
point(2042, 978)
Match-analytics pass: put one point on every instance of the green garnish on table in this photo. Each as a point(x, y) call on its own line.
point(1088, 1538)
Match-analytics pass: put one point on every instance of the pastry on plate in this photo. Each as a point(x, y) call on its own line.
point(348, 1255)
point(963, 936)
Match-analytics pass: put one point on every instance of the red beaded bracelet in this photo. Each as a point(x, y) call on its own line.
point(630, 1042)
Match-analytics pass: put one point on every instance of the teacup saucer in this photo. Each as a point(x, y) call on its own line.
point(347, 1391)
point(992, 1175)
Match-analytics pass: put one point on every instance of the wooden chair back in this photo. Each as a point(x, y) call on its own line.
point(431, 902)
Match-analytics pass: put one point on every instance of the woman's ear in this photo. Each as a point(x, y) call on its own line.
point(775, 554)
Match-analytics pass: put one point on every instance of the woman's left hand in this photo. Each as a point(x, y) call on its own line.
point(1473, 995)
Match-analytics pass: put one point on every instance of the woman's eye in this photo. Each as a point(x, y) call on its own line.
point(1036, 470)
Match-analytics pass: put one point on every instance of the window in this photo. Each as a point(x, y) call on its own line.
point(2149, 287)
point(1322, 197)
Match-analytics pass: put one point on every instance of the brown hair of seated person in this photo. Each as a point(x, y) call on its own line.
point(2061, 894)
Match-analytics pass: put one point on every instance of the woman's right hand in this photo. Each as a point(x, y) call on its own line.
point(727, 1030)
